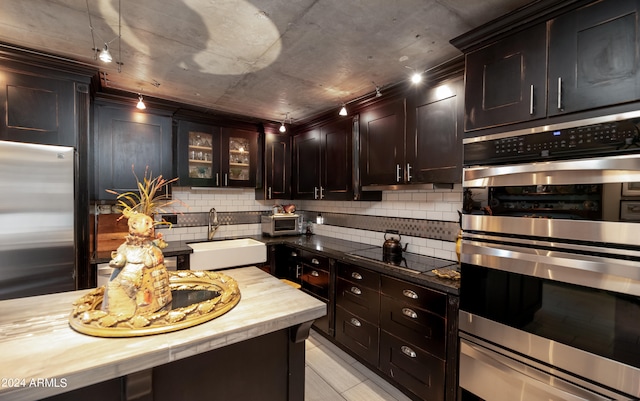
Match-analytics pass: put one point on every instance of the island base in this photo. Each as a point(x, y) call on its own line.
point(269, 367)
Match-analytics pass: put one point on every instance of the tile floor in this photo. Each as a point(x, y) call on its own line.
point(333, 375)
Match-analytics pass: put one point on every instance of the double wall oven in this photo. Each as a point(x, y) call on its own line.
point(550, 290)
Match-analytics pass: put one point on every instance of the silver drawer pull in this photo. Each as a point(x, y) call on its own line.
point(410, 294)
point(355, 322)
point(294, 254)
point(410, 313)
point(356, 275)
point(356, 290)
point(408, 351)
point(315, 261)
point(315, 273)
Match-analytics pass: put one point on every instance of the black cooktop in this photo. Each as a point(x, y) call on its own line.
point(410, 261)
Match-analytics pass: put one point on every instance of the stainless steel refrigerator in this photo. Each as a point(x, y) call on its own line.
point(37, 239)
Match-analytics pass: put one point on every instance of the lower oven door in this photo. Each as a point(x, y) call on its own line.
point(491, 375)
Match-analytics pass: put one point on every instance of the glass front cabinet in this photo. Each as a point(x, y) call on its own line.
point(210, 156)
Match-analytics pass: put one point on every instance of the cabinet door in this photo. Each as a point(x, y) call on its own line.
point(336, 166)
point(382, 144)
point(239, 158)
point(306, 165)
point(357, 334)
point(37, 109)
point(593, 57)
point(198, 154)
point(278, 166)
point(506, 81)
point(126, 138)
point(434, 135)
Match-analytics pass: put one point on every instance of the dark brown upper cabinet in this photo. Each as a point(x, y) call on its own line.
point(197, 154)
point(434, 134)
point(43, 107)
point(382, 130)
point(506, 80)
point(593, 57)
point(239, 157)
point(124, 138)
point(323, 162)
point(211, 156)
point(277, 162)
point(572, 60)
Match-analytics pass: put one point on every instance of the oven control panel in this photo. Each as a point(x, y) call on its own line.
point(619, 136)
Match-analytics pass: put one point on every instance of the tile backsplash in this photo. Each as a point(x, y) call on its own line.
point(426, 219)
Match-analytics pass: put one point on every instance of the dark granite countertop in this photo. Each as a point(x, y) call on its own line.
point(340, 250)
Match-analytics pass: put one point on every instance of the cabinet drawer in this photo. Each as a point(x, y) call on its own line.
point(358, 335)
point(414, 295)
point(359, 275)
point(417, 326)
point(315, 280)
point(314, 259)
point(416, 370)
point(357, 299)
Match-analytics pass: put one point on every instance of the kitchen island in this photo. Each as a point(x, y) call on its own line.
point(255, 351)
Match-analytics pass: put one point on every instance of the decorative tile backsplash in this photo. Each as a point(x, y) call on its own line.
point(427, 220)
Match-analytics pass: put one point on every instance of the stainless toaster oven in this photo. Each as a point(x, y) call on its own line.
point(280, 224)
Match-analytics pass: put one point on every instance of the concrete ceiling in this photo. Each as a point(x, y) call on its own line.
point(258, 58)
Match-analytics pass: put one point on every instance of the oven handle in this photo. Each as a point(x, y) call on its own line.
point(601, 170)
point(486, 374)
point(603, 273)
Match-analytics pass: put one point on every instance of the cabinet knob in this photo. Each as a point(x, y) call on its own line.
point(315, 261)
point(410, 313)
point(294, 254)
point(356, 290)
point(356, 275)
point(408, 351)
point(410, 294)
point(355, 322)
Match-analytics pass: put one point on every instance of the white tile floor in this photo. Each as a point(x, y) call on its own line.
point(333, 375)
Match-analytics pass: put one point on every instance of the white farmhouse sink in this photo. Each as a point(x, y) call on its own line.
point(226, 253)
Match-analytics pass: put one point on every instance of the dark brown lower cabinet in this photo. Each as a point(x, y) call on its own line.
point(357, 334)
point(315, 279)
point(412, 368)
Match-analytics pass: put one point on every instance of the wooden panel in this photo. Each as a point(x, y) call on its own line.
point(306, 165)
point(418, 371)
point(411, 294)
point(32, 108)
point(358, 299)
point(357, 334)
point(414, 325)
point(337, 180)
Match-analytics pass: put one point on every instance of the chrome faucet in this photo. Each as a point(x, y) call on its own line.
point(213, 223)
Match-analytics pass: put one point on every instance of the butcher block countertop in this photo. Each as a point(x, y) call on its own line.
point(42, 356)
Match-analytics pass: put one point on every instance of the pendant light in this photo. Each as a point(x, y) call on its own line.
point(283, 129)
point(140, 105)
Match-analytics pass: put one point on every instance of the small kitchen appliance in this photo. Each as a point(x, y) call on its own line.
point(280, 224)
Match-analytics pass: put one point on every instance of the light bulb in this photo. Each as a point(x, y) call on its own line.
point(283, 128)
point(343, 111)
point(141, 104)
point(105, 55)
point(416, 78)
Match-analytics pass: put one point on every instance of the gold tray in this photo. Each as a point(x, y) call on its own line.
point(204, 294)
point(447, 273)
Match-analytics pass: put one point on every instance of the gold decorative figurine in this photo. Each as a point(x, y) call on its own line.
point(137, 300)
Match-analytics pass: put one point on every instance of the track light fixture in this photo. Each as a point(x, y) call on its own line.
point(343, 110)
point(283, 129)
point(378, 93)
point(416, 78)
point(104, 54)
point(140, 105)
